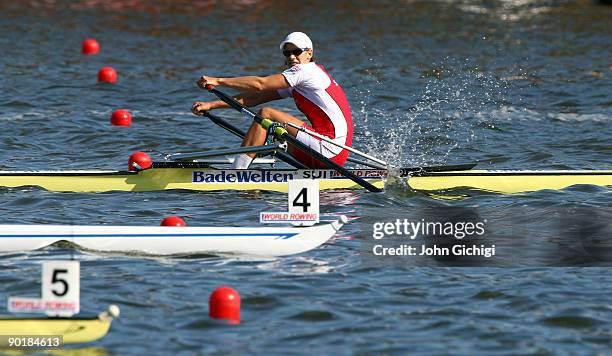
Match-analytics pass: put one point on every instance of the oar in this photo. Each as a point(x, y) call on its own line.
point(238, 132)
point(224, 124)
point(282, 134)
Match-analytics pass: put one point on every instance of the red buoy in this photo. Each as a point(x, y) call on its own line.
point(224, 303)
point(90, 46)
point(107, 74)
point(173, 221)
point(121, 117)
point(139, 161)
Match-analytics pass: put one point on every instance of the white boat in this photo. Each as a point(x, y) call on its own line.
point(162, 240)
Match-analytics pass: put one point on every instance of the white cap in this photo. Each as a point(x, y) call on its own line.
point(299, 39)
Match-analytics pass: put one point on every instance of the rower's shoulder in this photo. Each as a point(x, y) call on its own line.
point(302, 67)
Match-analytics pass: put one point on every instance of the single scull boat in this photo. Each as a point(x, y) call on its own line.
point(187, 171)
point(201, 176)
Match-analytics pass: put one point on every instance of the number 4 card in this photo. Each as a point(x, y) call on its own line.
point(303, 205)
point(304, 200)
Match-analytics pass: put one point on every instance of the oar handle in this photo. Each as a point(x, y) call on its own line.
point(232, 102)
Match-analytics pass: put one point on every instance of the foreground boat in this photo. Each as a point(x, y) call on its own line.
point(188, 171)
point(73, 329)
point(200, 176)
point(162, 240)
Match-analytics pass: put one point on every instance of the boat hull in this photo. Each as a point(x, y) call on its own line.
point(183, 178)
point(508, 182)
point(72, 330)
point(208, 179)
point(161, 240)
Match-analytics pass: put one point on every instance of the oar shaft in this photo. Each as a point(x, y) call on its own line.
point(226, 125)
point(229, 100)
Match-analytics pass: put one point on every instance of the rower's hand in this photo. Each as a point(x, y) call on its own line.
point(200, 107)
point(204, 81)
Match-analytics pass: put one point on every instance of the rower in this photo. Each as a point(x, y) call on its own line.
point(316, 94)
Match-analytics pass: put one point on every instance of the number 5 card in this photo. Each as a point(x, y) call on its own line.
point(61, 283)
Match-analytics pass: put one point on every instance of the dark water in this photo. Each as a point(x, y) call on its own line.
point(506, 84)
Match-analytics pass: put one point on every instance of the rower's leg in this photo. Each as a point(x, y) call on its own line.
point(279, 116)
point(256, 135)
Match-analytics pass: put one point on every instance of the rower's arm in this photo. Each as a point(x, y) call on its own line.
point(258, 97)
point(248, 99)
point(252, 83)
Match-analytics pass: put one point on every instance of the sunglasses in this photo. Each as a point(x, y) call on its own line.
point(296, 52)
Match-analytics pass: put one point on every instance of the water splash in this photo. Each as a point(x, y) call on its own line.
point(453, 103)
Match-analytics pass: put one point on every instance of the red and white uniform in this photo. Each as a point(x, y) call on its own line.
point(323, 102)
